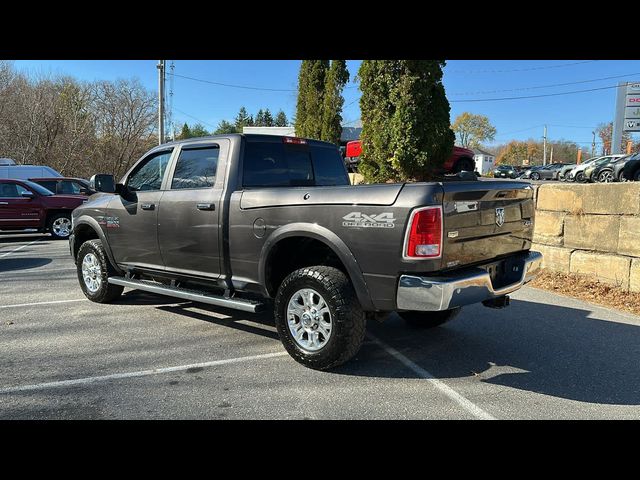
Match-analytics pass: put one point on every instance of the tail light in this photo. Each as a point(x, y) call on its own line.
point(424, 235)
point(294, 140)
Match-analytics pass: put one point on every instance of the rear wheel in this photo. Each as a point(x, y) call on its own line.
point(580, 177)
point(318, 317)
point(429, 319)
point(535, 176)
point(94, 271)
point(60, 226)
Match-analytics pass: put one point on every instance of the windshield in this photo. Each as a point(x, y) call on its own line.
point(38, 188)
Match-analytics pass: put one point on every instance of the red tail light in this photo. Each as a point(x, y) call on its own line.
point(424, 237)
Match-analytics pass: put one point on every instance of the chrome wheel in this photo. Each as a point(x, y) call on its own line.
point(606, 176)
point(91, 272)
point(309, 319)
point(61, 227)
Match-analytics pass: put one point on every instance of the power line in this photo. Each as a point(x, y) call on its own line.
point(532, 96)
point(547, 86)
point(521, 130)
point(246, 87)
point(191, 116)
point(521, 69)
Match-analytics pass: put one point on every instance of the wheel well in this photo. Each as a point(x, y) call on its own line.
point(292, 253)
point(457, 167)
point(82, 233)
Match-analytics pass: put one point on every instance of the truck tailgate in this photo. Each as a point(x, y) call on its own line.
point(485, 219)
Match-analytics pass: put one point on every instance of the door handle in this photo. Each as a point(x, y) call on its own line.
point(147, 206)
point(206, 206)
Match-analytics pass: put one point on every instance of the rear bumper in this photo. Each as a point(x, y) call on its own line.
point(443, 293)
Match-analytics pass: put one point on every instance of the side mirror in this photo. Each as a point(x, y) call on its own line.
point(103, 183)
point(27, 194)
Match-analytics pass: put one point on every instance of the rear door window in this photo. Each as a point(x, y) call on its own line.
point(196, 168)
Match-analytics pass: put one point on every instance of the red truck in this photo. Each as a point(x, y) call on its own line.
point(25, 205)
point(461, 158)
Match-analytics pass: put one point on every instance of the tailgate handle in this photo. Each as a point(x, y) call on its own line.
point(206, 206)
point(148, 206)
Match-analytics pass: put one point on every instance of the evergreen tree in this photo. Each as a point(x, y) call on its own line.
point(406, 133)
point(310, 98)
point(226, 127)
point(259, 122)
point(185, 132)
point(243, 119)
point(336, 79)
point(268, 118)
point(281, 119)
point(198, 130)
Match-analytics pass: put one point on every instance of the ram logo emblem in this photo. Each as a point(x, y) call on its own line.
point(499, 216)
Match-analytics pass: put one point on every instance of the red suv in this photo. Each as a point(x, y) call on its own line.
point(27, 205)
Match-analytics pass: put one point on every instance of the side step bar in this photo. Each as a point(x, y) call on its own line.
point(193, 295)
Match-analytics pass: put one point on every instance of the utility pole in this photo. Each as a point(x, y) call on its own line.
point(593, 144)
point(160, 102)
point(544, 146)
point(551, 156)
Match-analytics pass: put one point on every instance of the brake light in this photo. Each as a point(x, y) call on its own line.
point(296, 140)
point(424, 238)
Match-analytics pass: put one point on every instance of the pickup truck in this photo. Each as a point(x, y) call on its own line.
point(243, 221)
point(25, 205)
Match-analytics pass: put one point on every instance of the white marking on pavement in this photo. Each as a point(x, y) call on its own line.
point(465, 403)
point(19, 248)
point(141, 373)
point(42, 303)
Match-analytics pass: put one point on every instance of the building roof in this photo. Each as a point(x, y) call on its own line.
point(479, 151)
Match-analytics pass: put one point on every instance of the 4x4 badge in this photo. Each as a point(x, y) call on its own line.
point(499, 216)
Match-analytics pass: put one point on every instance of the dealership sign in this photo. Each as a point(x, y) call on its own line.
point(631, 121)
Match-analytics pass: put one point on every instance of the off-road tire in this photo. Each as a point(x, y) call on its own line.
point(429, 319)
point(107, 292)
point(347, 318)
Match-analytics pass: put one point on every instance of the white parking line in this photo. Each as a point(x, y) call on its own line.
point(465, 403)
point(42, 303)
point(141, 373)
point(19, 248)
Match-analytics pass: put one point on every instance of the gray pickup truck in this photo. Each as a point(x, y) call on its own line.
point(241, 221)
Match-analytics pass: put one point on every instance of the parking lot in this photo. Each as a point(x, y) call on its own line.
point(147, 356)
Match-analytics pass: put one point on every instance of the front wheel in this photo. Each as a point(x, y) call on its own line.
point(429, 319)
point(318, 317)
point(580, 178)
point(606, 176)
point(535, 176)
point(94, 271)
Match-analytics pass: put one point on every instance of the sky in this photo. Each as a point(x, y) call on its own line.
point(569, 117)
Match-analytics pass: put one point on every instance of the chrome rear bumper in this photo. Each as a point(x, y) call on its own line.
point(474, 286)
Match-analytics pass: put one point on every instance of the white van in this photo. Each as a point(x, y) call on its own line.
point(25, 172)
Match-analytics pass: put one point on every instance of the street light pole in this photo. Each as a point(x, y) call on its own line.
point(160, 102)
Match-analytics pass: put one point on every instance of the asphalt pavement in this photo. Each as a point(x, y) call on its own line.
point(151, 357)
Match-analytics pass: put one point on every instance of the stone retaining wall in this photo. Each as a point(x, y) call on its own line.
point(591, 229)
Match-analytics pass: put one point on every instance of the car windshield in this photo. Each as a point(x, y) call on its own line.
point(38, 188)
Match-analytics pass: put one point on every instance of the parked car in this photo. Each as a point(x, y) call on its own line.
point(631, 170)
point(66, 185)
point(610, 171)
point(24, 172)
point(239, 220)
point(578, 172)
point(25, 205)
point(532, 172)
point(505, 171)
point(460, 160)
point(588, 171)
point(563, 174)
